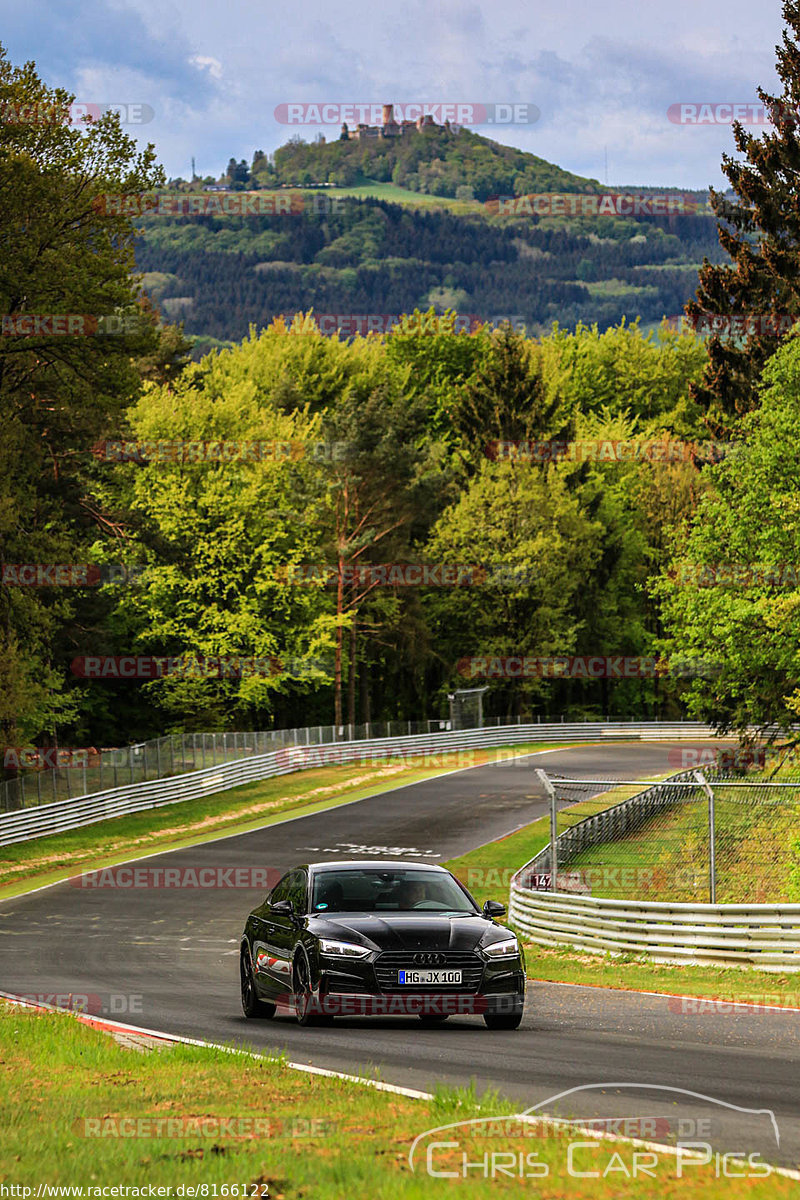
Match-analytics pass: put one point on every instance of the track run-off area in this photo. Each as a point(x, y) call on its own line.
point(166, 959)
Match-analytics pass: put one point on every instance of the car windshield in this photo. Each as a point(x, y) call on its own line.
point(373, 890)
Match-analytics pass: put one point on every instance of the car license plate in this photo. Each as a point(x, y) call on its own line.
point(428, 977)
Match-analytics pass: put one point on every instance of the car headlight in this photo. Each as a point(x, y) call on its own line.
point(508, 948)
point(343, 949)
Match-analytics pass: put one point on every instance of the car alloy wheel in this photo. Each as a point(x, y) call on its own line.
point(304, 1000)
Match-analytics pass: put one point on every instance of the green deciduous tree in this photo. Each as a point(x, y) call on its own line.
point(62, 251)
point(732, 595)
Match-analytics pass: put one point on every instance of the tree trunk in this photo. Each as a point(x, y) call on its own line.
point(351, 678)
point(363, 691)
point(337, 668)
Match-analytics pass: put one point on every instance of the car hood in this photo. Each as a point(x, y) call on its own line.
point(410, 931)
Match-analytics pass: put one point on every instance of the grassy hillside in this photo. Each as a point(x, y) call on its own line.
point(438, 163)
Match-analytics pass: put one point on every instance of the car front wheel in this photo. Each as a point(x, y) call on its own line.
point(305, 1004)
point(502, 1020)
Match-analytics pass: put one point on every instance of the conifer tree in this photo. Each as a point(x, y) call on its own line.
point(760, 230)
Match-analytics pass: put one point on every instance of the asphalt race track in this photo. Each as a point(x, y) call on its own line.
point(167, 959)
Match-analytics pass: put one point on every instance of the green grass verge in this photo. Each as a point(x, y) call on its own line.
point(78, 1109)
point(568, 965)
point(36, 863)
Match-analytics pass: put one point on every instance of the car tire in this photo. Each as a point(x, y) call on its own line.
point(303, 995)
point(502, 1020)
point(433, 1018)
point(252, 1006)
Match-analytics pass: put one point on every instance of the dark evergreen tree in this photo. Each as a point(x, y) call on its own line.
point(506, 400)
point(760, 231)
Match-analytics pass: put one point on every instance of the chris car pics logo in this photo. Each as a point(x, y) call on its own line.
point(704, 1135)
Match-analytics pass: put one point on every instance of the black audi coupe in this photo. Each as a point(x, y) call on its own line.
point(379, 939)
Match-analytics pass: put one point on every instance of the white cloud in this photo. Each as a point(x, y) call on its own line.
point(602, 75)
point(212, 65)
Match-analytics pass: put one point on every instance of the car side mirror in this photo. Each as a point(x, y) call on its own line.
point(285, 908)
point(493, 908)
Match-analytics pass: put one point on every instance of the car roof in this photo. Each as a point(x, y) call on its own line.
point(381, 864)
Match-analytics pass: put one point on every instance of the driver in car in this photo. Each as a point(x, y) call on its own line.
point(413, 893)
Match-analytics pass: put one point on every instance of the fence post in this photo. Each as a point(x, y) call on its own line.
point(551, 795)
point(712, 837)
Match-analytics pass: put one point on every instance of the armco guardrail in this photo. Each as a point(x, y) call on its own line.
point(91, 771)
point(760, 935)
point(37, 821)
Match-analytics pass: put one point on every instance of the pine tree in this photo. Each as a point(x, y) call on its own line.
point(760, 230)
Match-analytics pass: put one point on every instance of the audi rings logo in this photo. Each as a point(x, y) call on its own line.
point(429, 960)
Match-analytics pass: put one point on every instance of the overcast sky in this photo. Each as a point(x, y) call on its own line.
point(602, 75)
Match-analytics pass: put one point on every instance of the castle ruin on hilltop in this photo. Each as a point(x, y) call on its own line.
point(389, 128)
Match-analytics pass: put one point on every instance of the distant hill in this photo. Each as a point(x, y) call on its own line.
point(220, 274)
point(438, 162)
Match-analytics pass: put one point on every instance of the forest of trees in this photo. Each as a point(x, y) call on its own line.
point(350, 454)
point(222, 274)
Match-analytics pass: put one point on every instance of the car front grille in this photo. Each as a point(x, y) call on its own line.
point(391, 961)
